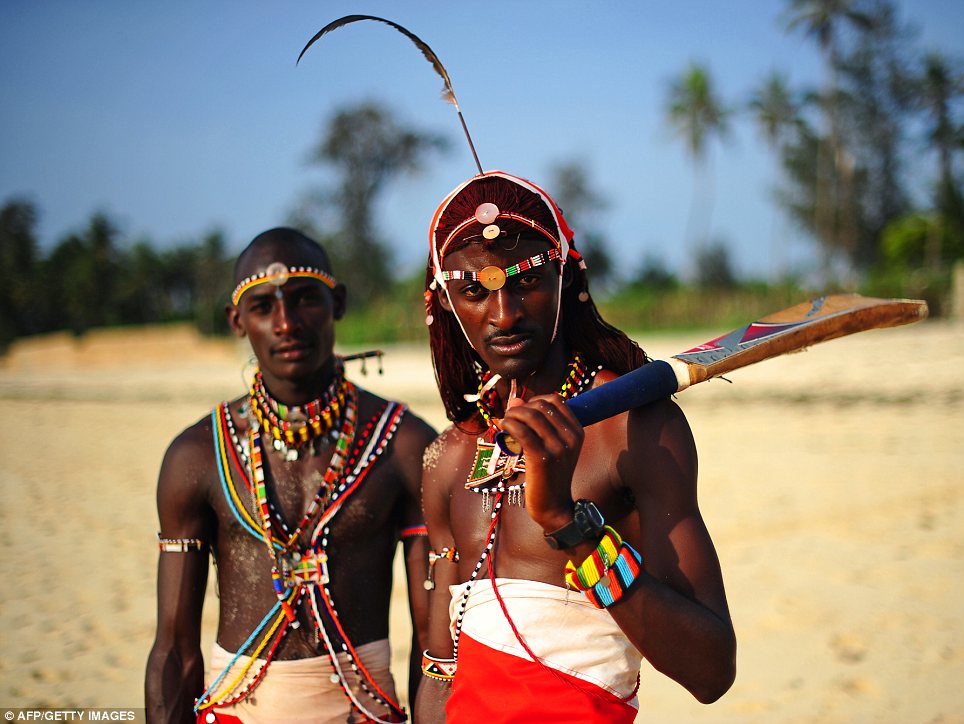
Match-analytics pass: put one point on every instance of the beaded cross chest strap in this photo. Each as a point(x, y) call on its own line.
point(299, 557)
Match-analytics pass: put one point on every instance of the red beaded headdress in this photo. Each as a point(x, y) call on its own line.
point(475, 206)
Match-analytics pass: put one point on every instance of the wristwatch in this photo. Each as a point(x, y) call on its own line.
point(587, 524)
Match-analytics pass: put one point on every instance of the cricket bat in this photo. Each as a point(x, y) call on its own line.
point(789, 330)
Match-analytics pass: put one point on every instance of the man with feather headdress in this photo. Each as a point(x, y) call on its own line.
point(554, 571)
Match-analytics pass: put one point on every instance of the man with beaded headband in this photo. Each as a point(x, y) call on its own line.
point(553, 572)
point(300, 490)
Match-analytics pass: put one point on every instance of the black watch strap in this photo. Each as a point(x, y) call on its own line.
point(587, 524)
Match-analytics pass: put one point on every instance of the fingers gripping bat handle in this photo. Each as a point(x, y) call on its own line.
point(646, 384)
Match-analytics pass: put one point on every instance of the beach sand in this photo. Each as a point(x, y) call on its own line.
point(831, 481)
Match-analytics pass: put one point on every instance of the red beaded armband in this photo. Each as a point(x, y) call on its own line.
point(440, 669)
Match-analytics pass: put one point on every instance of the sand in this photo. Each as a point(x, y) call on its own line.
point(832, 483)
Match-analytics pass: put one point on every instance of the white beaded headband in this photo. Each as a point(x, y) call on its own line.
point(278, 274)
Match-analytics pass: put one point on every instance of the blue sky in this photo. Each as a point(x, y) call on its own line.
point(179, 117)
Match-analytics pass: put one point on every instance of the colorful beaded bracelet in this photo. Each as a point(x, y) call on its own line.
point(597, 564)
point(414, 531)
point(440, 669)
point(618, 579)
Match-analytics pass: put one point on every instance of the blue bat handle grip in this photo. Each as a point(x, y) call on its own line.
point(653, 381)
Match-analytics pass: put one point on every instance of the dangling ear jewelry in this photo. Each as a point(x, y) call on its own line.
point(364, 356)
point(248, 369)
point(427, 295)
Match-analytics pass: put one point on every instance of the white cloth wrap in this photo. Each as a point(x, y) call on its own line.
point(561, 627)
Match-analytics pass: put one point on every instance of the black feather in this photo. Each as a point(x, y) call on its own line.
point(448, 94)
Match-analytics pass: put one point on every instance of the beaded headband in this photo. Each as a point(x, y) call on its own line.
point(278, 274)
point(487, 214)
point(494, 278)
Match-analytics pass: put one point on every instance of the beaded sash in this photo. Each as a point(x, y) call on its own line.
point(311, 574)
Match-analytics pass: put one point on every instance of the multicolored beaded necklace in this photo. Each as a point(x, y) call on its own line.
point(491, 462)
point(292, 568)
point(303, 569)
point(293, 426)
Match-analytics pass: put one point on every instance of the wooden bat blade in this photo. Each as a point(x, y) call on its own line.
point(797, 328)
point(789, 330)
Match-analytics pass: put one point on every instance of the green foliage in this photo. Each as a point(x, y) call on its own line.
point(713, 268)
point(843, 159)
point(934, 287)
point(19, 295)
point(695, 110)
point(908, 241)
point(93, 278)
point(398, 315)
point(637, 308)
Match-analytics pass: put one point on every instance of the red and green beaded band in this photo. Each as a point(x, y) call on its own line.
point(493, 278)
point(597, 565)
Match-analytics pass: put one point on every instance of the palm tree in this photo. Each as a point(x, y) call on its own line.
point(696, 112)
point(776, 113)
point(938, 87)
point(368, 147)
point(823, 20)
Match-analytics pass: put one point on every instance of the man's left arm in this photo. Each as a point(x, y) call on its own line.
point(414, 436)
point(676, 612)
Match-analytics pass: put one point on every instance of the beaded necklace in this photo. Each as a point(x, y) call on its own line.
point(292, 426)
point(494, 469)
point(292, 568)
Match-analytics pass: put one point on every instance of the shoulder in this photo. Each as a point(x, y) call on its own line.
point(648, 443)
point(410, 429)
point(446, 452)
point(663, 417)
point(192, 444)
point(442, 458)
point(188, 467)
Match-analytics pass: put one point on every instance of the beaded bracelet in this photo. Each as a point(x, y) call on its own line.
point(414, 531)
point(597, 564)
point(449, 554)
point(180, 545)
point(440, 669)
point(618, 579)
